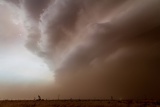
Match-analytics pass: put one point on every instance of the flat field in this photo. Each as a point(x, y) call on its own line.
point(80, 103)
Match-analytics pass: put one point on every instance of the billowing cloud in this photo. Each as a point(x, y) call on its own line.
point(97, 48)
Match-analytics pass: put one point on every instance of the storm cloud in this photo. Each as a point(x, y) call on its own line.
point(96, 48)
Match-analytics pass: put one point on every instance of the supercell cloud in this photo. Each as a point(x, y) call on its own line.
point(95, 48)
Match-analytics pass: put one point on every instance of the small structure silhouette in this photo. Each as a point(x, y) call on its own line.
point(39, 97)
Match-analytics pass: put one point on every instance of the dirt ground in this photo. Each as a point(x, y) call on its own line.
point(80, 103)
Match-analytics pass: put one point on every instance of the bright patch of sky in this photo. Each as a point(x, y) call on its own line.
point(19, 65)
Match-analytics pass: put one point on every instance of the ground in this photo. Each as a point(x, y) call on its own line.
point(80, 103)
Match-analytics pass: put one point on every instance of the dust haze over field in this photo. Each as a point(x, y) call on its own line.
point(91, 48)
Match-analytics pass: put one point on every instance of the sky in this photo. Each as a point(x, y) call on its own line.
point(79, 49)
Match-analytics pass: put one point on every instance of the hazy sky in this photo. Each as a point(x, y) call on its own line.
point(79, 48)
